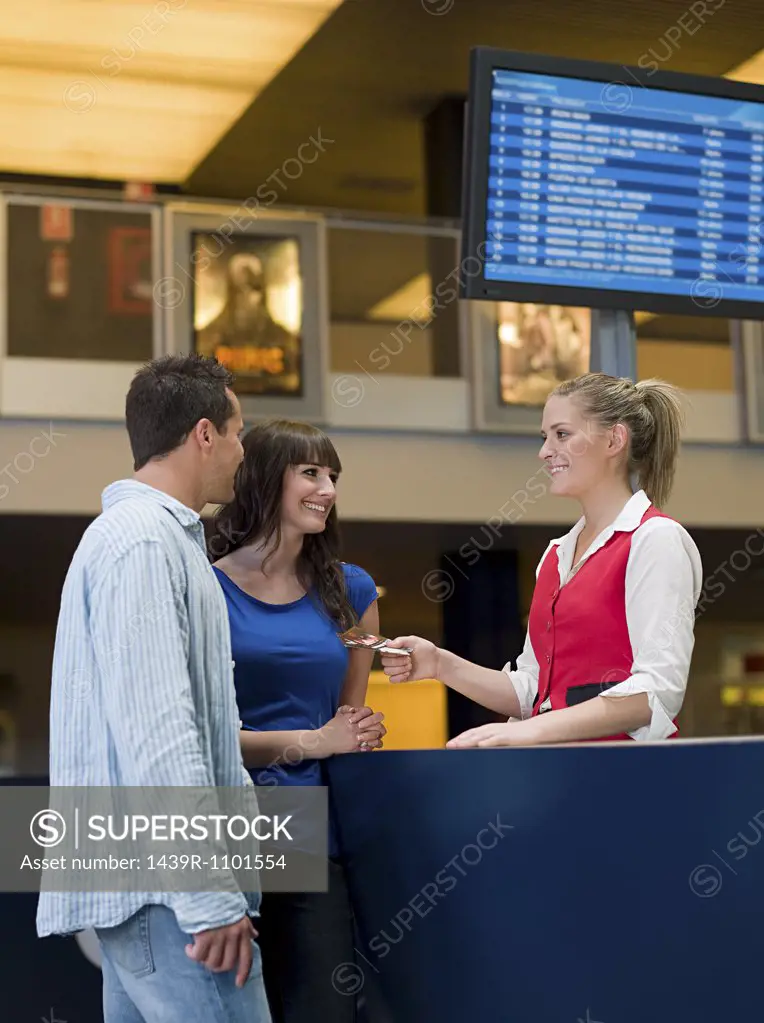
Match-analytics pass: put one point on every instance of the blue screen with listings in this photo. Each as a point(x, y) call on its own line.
point(596, 185)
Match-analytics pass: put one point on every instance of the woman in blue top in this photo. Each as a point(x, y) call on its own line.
point(300, 692)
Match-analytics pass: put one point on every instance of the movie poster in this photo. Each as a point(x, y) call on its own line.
point(248, 306)
point(131, 277)
point(539, 347)
point(80, 283)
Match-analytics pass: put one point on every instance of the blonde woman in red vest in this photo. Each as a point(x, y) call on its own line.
point(610, 630)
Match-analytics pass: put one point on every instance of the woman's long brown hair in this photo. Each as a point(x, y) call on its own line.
point(254, 514)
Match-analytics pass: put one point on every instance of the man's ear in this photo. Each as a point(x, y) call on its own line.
point(202, 432)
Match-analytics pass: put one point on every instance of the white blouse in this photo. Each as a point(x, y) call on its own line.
point(664, 579)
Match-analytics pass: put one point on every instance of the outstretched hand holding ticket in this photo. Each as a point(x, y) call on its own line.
point(421, 663)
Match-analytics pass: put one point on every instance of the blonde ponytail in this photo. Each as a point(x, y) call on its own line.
point(652, 410)
point(654, 453)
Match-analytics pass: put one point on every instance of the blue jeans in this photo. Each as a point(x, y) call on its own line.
point(148, 978)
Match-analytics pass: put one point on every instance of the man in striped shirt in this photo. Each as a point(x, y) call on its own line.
point(144, 622)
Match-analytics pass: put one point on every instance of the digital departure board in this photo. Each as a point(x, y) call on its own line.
point(603, 188)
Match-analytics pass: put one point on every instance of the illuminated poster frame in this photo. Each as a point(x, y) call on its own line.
point(203, 239)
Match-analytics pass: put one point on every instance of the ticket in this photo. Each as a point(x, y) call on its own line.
point(357, 638)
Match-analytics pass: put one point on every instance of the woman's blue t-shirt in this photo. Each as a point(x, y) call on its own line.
point(289, 668)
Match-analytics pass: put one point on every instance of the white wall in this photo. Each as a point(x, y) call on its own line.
point(443, 474)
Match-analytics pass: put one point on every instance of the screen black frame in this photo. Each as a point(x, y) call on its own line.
point(483, 62)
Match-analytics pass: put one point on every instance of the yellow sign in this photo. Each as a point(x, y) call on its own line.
point(250, 359)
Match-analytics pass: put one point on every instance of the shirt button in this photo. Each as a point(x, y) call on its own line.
point(548, 658)
point(233, 664)
point(548, 626)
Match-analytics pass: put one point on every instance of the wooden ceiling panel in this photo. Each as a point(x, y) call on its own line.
point(122, 89)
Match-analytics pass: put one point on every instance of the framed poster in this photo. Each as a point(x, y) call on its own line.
point(80, 285)
point(520, 352)
point(539, 346)
point(78, 312)
point(248, 287)
point(131, 278)
point(248, 310)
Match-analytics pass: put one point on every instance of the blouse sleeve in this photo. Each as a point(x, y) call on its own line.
point(361, 588)
point(664, 578)
point(525, 677)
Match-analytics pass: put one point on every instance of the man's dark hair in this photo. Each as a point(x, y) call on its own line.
point(168, 397)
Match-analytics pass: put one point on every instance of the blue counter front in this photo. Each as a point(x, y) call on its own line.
point(599, 884)
point(611, 883)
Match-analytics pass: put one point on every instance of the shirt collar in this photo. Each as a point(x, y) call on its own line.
point(123, 489)
point(626, 521)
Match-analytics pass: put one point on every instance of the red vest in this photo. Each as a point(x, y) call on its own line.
point(578, 631)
